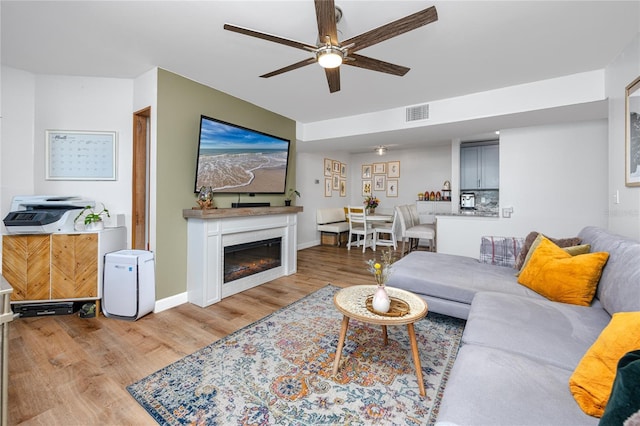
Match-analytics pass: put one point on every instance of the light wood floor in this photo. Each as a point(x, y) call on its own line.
point(65, 370)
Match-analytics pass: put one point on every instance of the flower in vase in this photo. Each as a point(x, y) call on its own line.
point(371, 202)
point(381, 270)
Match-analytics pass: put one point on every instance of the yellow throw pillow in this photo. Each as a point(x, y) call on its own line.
point(558, 276)
point(593, 378)
point(572, 250)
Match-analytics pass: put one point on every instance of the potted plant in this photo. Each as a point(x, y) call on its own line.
point(292, 192)
point(92, 220)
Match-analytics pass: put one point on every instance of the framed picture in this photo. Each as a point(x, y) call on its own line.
point(336, 166)
point(80, 155)
point(392, 187)
point(632, 136)
point(328, 167)
point(336, 182)
point(343, 170)
point(343, 187)
point(366, 187)
point(379, 168)
point(366, 171)
point(379, 182)
point(327, 187)
point(393, 169)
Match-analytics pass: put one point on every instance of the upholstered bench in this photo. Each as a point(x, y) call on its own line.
point(333, 227)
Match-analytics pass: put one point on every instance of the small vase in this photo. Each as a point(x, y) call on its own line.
point(94, 226)
point(381, 301)
point(371, 210)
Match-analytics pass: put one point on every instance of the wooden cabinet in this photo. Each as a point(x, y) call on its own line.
point(480, 167)
point(58, 266)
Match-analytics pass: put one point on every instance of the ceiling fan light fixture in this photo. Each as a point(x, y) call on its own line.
point(329, 57)
point(381, 150)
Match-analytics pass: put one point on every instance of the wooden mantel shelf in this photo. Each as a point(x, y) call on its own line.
point(238, 212)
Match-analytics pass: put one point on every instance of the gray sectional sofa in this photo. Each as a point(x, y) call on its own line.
point(518, 349)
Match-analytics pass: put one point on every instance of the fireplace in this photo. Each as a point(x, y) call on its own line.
point(240, 235)
point(243, 260)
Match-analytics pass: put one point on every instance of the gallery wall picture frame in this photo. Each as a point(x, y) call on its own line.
point(392, 188)
point(335, 182)
point(379, 182)
point(80, 155)
point(366, 187)
point(343, 170)
point(328, 167)
point(327, 187)
point(366, 171)
point(379, 168)
point(632, 133)
point(393, 169)
point(343, 187)
point(336, 166)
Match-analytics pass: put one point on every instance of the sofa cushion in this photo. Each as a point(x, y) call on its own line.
point(619, 288)
point(572, 250)
point(553, 333)
point(592, 379)
point(561, 277)
point(488, 386)
point(451, 277)
point(531, 237)
point(624, 400)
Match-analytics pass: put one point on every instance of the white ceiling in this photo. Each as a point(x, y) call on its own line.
point(474, 46)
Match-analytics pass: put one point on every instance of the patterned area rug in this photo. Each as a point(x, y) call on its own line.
point(278, 371)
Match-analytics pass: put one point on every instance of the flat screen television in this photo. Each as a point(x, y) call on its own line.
point(234, 159)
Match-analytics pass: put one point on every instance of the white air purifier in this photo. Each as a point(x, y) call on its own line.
point(129, 288)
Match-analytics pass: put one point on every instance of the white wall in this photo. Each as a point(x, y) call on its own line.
point(43, 102)
point(310, 182)
point(623, 217)
point(554, 177)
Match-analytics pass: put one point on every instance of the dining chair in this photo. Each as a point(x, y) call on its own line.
point(359, 227)
point(388, 229)
point(411, 230)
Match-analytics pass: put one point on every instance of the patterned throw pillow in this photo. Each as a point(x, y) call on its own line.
point(500, 251)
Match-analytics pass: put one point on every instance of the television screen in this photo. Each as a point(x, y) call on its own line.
point(235, 159)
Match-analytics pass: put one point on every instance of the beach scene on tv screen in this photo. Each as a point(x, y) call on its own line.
point(233, 159)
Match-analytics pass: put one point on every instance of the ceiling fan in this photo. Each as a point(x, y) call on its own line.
point(330, 53)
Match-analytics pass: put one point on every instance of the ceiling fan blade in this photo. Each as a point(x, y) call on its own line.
point(333, 78)
point(290, 67)
point(269, 37)
point(392, 29)
point(326, 17)
point(376, 65)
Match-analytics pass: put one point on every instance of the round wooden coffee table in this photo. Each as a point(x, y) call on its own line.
point(351, 302)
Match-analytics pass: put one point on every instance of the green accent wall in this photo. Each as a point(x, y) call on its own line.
point(180, 103)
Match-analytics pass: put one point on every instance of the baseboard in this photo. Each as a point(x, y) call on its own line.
point(171, 302)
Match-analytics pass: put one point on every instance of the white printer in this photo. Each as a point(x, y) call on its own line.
point(44, 214)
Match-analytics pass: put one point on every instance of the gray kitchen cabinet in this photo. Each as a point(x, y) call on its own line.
point(480, 167)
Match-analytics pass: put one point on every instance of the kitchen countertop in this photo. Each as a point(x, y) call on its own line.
point(474, 213)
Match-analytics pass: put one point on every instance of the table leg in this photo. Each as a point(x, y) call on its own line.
point(416, 358)
point(343, 335)
point(384, 335)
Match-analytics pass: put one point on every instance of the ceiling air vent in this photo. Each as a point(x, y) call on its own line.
point(419, 112)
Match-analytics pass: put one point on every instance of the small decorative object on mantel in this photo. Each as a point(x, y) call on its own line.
point(205, 198)
point(91, 220)
point(381, 301)
point(290, 195)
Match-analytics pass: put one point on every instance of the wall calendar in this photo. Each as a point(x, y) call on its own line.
point(77, 155)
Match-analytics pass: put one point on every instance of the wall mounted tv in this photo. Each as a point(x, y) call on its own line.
point(234, 159)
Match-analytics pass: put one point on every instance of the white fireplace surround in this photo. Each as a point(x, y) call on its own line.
point(209, 232)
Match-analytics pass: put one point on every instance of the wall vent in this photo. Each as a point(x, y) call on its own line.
point(419, 112)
